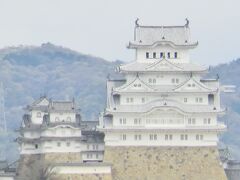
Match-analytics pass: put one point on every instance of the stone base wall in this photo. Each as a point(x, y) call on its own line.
point(83, 177)
point(29, 167)
point(33, 167)
point(164, 163)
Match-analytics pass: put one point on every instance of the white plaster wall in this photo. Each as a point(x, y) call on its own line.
point(83, 169)
point(7, 178)
point(114, 139)
point(183, 55)
point(63, 117)
point(178, 119)
point(61, 131)
point(150, 97)
point(52, 147)
point(32, 134)
point(35, 118)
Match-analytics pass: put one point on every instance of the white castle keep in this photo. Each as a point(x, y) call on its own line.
point(160, 121)
point(56, 127)
point(163, 100)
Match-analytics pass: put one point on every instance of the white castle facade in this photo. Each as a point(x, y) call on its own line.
point(56, 127)
point(160, 121)
point(163, 100)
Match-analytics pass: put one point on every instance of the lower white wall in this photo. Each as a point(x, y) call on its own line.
point(114, 139)
point(82, 169)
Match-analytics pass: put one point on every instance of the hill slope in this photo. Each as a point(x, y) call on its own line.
point(28, 72)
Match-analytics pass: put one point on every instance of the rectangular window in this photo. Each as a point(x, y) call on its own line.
point(137, 121)
point(209, 121)
point(120, 121)
point(143, 100)
point(161, 54)
point(199, 137)
point(147, 55)
point(175, 55)
point(154, 55)
point(153, 136)
point(191, 121)
point(166, 137)
point(184, 137)
point(169, 55)
point(124, 121)
point(88, 147)
point(97, 156)
point(89, 156)
point(124, 137)
point(68, 144)
point(137, 137)
point(58, 144)
point(185, 100)
point(199, 100)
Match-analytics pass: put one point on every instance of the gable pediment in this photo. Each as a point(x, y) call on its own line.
point(163, 65)
point(192, 85)
point(136, 85)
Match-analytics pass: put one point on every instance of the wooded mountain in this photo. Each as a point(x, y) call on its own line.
point(60, 73)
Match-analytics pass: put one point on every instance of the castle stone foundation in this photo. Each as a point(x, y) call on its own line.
point(164, 163)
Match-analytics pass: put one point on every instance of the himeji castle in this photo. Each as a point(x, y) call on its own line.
point(160, 121)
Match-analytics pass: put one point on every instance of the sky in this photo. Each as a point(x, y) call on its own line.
point(103, 28)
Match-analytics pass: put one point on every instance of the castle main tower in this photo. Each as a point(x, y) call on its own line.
point(161, 119)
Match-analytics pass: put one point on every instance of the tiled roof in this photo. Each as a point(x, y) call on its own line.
point(144, 67)
point(150, 35)
point(62, 106)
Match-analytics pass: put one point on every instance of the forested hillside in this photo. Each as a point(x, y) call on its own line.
point(60, 73)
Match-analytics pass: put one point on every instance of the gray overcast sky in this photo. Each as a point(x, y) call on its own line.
point(104, 27)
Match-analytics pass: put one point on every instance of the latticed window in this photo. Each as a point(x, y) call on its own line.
point(169, 55)
point(184, 137)
point(124, 137)
point(153, 137)
point(154, 55)
point(199, 137)
point(147, 55)
point(191, 121)
point(168, 137)
point(175, 55)
point(137, 121)
point(137, 137)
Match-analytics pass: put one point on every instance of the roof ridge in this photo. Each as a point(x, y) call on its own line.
point(180, 26)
